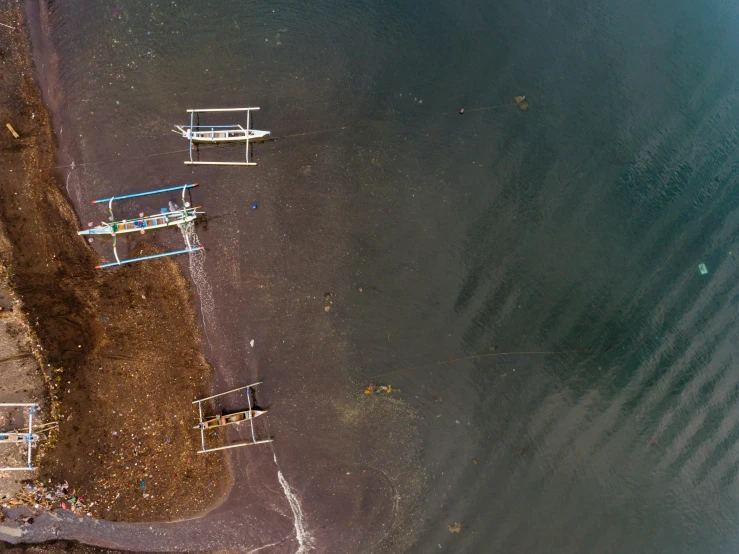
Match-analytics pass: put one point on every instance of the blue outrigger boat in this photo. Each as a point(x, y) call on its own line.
point(167, 217)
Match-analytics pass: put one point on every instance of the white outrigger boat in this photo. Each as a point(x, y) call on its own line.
point(167, 217)
point(16, 437)
point(219, 134)
point(214, 421)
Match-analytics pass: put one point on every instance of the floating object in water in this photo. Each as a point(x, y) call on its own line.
point(521, 101)
point(703, 269)
point(372, 388)
point(461, 111)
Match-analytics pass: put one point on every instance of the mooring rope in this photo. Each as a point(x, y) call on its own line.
point(334, 129)
point(478, 356)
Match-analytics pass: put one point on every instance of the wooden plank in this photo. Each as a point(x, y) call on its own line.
point(10, 128)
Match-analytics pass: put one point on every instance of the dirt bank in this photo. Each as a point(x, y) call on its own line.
point(122, 348)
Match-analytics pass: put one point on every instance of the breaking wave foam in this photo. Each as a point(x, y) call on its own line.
point(305, 540)
point(199, 277)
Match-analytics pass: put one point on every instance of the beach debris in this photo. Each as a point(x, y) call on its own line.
point(327, 300)
point(254, 206)
point(703, 269)
point(455, 527)
point(251, 343)
point(372, 388)
point(521, 101)
point(12, 131)
point(39, 496)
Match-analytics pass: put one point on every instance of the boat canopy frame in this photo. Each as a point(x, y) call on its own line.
point(201, 425)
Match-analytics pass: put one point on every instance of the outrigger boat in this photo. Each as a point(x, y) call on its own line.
point(167, 217)
point(212, 422)
point(217, 134)
point(16, 437)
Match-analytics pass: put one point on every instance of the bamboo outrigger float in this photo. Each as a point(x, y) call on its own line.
point(212, 422)
point(218, 134)
point(167, 217)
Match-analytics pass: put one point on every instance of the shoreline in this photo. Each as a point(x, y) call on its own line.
point(357, 498)
point(88, 324)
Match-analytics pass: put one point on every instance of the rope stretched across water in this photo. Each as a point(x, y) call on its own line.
point(334, 129)
point(74, 165)
point(478, 356)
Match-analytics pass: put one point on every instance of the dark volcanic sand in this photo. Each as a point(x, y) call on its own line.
point(121, 350)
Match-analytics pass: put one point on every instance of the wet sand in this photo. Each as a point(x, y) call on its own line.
point(120, 351)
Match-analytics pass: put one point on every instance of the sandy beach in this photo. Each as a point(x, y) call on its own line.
point(100, 338)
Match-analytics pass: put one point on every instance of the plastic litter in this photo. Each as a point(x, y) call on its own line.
point(703, 269)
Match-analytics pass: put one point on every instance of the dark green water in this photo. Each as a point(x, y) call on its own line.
point(577, 225)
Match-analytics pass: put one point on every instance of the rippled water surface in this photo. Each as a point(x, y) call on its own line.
point(574, 228)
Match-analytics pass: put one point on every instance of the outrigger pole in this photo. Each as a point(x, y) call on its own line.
point(142, 258)
point(183, 188)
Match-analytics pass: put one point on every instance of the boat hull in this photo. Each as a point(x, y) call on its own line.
point(225, 136)
point(141, 224)
point(229, 419)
